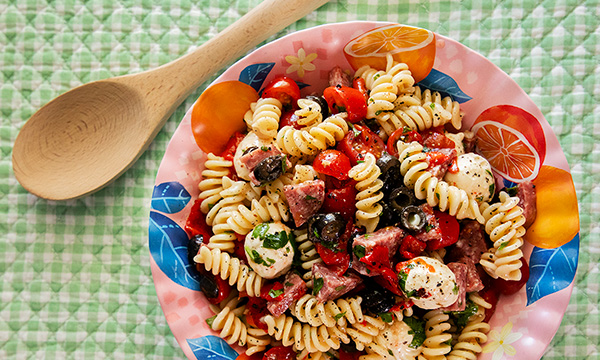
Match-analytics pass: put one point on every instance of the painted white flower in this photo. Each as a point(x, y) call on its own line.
point(301, 63)
point(500, 343)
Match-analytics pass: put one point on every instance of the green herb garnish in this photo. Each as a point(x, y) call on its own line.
point(210, 320)
point(317, 285)
point(275, 293)
point(417, 330)
point(386, 316)
point(336, 317)
point(359, 251)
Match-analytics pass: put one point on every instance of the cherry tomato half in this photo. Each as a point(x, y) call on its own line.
point(404, 134)
point(196, 223)
point(333, 163)
point(257, 308)
point(350, 100)
point(283, 89)
point(359, 84)
point(449, 228)
point(289, 118)
point(341, 200)
point(359, 141)
point(280, 353)
point(232, 145)
point(434, 138)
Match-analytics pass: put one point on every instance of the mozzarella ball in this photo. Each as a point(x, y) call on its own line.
point(399, 336)
point(474, 175)
point(251, 140)
point(269, 249)
point(429, 283)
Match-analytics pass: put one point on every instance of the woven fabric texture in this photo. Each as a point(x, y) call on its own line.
point(75, 278)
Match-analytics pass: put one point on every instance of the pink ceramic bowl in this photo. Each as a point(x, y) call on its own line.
point(524, 323)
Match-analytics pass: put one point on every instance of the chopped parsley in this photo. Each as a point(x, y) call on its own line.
point(386, 316)
point(455, 289)
point(275, 293)
point(210, 206)
point(492, 188)
point(288, 284)
point(340, 288)
point(210, 320)
point(378, 112)
point(359, 251)
point(317, 285)
point(255, 256)
point(502, 246)
point(308, 197)
point(336, 317)
point(277, 240)
point(429, 227)
point(432, 106)
point(284, 163)
point(360, 161)
point(265, 148)
point(417, 330)
point(260, 231)
point(462, 317)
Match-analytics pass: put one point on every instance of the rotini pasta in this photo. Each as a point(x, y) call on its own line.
point(504, 224)
point(307, 309)
point(230, 268)
point(263, 118)
point(436, 192)
point(368, 185)
point(436, 344)
point(308, 253)
point(309, 113)
point(303, 336)
point(471, 337)
point(307, 142)
point(211, 185)
point(365, 332)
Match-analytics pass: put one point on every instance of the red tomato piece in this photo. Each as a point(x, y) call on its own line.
point(435, 139)
point(358, 142)
point(272, 292)
point(232, 145)
point(283, 89)
point(238, 250)
point(506, 287)
point(280, 353)
point(350, 100)
point(377, 258)
point(354, 355)
point(359, 84)
point(404, 134)
point(289, 118)
point(339, 259)
point(411, 247)
point(196, 223)
point(489, 295)
point(449, 228)
point(341, 200)
point(333, 163)
point(436, 158)
point(255, 356)
point(257, 308)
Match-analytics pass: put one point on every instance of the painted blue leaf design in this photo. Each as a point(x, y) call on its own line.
point(170, 197)
point(211, 347)
point(551, 270)
point(438, 81)
point(168, 247)
point(508, 183)
point(255, 74)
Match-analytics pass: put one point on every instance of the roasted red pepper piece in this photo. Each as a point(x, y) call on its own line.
point(232, 145)
point(350, 100)
point(272, 292)
point(404, 134)
point(411, 247)
point(196, 223)
point(449, 228)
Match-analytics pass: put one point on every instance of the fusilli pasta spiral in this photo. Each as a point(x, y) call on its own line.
point(309, 113)
point(437, 193)
point(211, 185)
point(308, 253)
point(231, 269)
point(263, 117)
point(365, 332)
point(436, 344)
point(504, 224)
point(307, 309)
point(307, 142)
point(368, 185)
point(470, 338)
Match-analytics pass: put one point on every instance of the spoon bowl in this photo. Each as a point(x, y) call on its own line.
point(84, 139)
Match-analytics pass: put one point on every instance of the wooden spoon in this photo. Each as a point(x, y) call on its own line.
point(84, 139)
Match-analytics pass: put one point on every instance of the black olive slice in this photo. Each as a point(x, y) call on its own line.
point(269, 168)
point(209, 286)
point(326, 227)
point(193, 247)
point(322, 103)
point(377, 300)
point(402, 197)
point(390, 171)
point(413, 218)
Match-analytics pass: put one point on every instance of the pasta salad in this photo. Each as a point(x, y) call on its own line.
point(357, 223)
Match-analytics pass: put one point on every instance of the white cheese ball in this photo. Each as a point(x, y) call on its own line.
point(429, 283)
point(399, 336)
point(268, 249)
point(474, 176)
point(248, 142)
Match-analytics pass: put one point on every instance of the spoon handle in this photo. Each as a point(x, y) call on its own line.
point(167, 86)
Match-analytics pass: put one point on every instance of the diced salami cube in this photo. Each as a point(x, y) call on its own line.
point(389, 237)
point(328, 285)
point(305, 199)
point(527, 201)
point(460, 272)
point(293, 288)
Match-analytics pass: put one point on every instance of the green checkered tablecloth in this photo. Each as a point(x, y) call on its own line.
point(75, 276)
